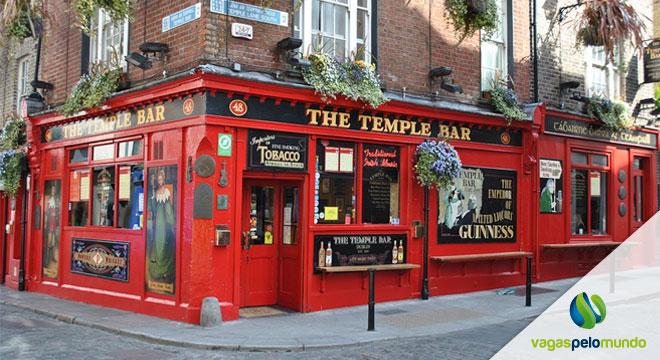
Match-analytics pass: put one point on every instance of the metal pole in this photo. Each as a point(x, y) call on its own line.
point(372, 301)
point(528, 285)
point(425, 280)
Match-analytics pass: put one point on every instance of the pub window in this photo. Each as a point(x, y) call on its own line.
point(380, 184)
point(638, 189)
point(589, 193)
point(111, 195)
point(336, 183)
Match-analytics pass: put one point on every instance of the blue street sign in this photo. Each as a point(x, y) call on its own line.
point(250, 12)
point(182, 17)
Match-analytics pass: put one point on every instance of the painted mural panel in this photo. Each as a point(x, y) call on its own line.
point(161, 229)
point(51, 233)
point(479, 207)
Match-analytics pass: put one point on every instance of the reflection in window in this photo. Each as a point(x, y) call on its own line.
point(103, 196)
point(380, 184)
point(130, 196)
point(78, 155)
point(579, 209)
point(130, 148)
point(290, 216)
point(103, 152)
point(262, 200)
point(588, 194)
point(336, 183)
point(598, 190)
point(79, 197)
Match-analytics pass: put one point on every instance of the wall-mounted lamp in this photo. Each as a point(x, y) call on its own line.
point(33, 103)
point(144, 61)
point(568, 85)
point(289, 44)
point(38, 84)
point(447, 84)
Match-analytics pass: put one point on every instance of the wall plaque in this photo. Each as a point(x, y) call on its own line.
point(203, 202)
point(205, 166)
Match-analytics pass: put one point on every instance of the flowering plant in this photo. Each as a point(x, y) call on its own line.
point(11, 159)
point(436, 163)
point(470, 16)
point(93, 90)
point(614, 115)
point(356, 80)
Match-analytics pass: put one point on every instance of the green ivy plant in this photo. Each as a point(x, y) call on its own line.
point(91, 91)
point(85, 10)
point(12, 161)
point(470, 16)
point(21, 19)
point(505, 102)
point(356, 80)
point(614, 115)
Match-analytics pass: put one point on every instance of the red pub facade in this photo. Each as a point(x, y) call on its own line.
point(234, 184)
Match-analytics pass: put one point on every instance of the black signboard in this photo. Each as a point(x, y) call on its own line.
point(479, 207)
point(358, 249)
point(284, 111)
point(271, 150)
point(652, 62)
point(105, 259)
point(149, 115)
point(575, 128)
point(380, 173)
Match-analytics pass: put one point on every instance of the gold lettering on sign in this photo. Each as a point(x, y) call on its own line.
point(381, 124)
point(452, 132)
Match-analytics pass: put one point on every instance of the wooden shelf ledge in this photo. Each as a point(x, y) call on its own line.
point(477, 257)
point(362, 268)
point(580, 245)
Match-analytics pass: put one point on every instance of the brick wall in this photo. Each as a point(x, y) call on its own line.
point(405, 30)
point(561, 60)
point(10, 56)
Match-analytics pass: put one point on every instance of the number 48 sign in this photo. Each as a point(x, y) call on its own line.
point(224, 144)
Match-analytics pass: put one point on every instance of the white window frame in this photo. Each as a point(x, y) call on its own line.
point(302, 26)
point(23, 82)
point(612, 82)
point(97, 53)
point(501, 44)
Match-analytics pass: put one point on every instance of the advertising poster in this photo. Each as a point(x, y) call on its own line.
point(550, 173)
point(479, 207)
point(104, 259)
point(161, 229)
point(51, 233)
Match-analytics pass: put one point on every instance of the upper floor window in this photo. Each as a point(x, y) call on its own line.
point(23, 84)
point(339, 28)
point(602, 77)
point(494, 49)
point(108, 39)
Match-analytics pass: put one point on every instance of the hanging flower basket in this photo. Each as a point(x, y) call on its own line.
point(356, 80)
point(21, 19)
point(614, 115)
point(12, 159)
point(436, 163)
point(606, 22)
point(470, 16)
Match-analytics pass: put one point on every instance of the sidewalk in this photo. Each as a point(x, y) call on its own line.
point(298, 331)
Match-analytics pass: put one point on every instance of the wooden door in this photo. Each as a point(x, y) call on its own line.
point(271, 271)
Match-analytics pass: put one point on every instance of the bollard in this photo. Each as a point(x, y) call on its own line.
point(528, 285)
point(372, 302)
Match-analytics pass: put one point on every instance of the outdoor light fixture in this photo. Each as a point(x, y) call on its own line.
point(38, 84)
point(144, 61)
point(440, 72)
point(289, 43)
point(33, 103)
point(446, 84)
point(138, 60)
point(568, 85)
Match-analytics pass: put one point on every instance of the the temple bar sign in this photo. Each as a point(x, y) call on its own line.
point(652, 62)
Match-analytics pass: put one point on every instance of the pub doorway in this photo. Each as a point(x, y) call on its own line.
point(271, 246)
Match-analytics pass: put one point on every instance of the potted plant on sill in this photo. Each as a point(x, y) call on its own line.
point(502, 97)
point(613, 115)
point(470, 16)
point(354, 79)
point(606, 22)
point(117, 10)
point(95, 88)
point(12, 158)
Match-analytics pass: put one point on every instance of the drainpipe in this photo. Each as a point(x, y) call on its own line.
point(425, 276)
point(21, 271)
point(36, 65)
point(535, 52)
